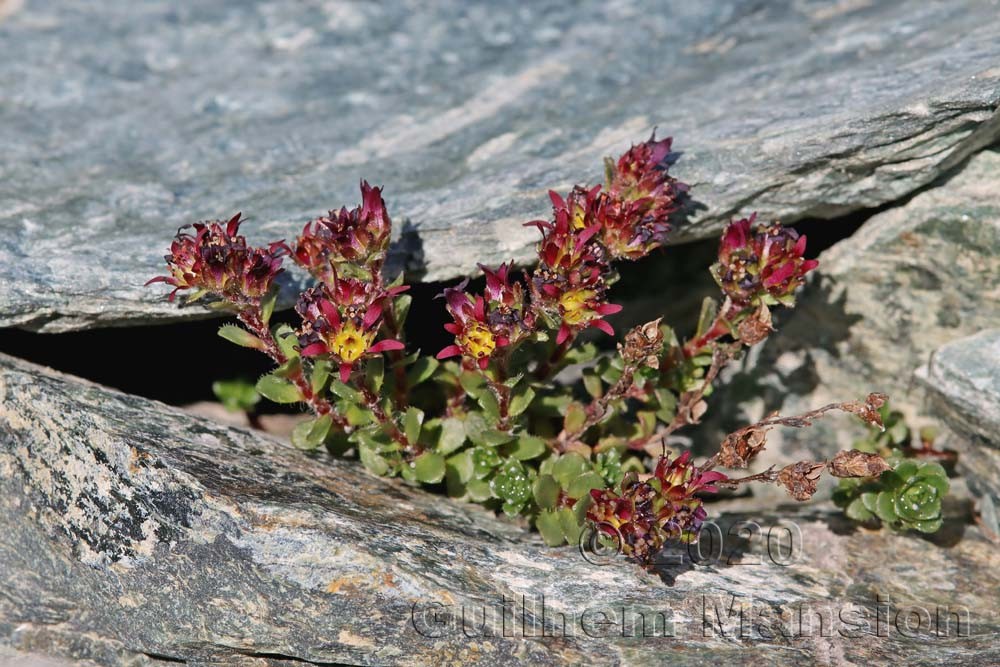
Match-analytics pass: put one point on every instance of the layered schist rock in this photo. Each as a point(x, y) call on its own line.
point(120, 122)
point(134, 534)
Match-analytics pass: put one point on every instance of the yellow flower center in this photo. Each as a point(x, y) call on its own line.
point(349, 343)
point(478, 341)
point(574, 306)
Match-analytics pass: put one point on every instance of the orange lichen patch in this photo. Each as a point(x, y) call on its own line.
point(349, 584)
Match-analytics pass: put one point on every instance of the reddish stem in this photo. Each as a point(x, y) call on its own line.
point(254, 321)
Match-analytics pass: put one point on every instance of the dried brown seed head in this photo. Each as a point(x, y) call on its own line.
point(854, 463)
point(799, 479)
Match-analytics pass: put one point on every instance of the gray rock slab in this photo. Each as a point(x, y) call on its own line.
point(132, 533)
point(120, 121)
point(963, 379)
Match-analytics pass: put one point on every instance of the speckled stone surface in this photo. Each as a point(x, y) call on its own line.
point(120, 121)
point(132, 533)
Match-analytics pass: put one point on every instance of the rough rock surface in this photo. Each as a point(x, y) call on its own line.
point(121, 121)
point(964, 382)
point(132, 533)
point(911, 280)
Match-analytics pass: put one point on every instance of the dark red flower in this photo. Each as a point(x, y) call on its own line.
point(215, 259)
point(359, 237)
point(568, 286)
point(645, 194)
point(482, 324)
point(762, 264)
point(645, 515)
point(342, 320)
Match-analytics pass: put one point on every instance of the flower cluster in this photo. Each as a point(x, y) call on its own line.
point(644, 515)
point(357, 238)
point(644, 197)
point(485, 324)
point(569, 286)
point(216, 259)
point(342, 320)
point(762, 264)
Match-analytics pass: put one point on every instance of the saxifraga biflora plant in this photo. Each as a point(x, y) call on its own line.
point(486, 415)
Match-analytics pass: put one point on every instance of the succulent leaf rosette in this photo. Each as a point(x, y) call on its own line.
point(908, 497)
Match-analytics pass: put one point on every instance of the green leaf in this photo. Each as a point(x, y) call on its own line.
point(906, 469)
point(575, 417)
point(552, 406)
point(240, 336)
point(422, 369)
point(236, 395)
point(412, 421)
point(709, 309)
point(527, 447)
point(928, 526)
point(885, 507)
point(345, 392)
point(478, 490)
point(857, 511)
point(512, 381)
point(939, 482)
point(461, 466)
point(267, 304)
point(571, 527)
point(472, 382)
point(580, 508)
point(549, 528)
point(429, 467)
point(286, 339)
point(520, 402)
point(492, 437)
point(288, 369)
point(401, 304)
point(581, 485)
point(355, 414)
point(546, 491)
point(646, 422)
point(932, 469)
point(320, 374)
point(375, 373)
point(311, 434)
point(488, 402)
point(278, 389)
point(452, 435)
point(667, 405)
point(869, 499)
point(592, 383)
point(568, 466)
point(372, 460)
point(580, 354)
